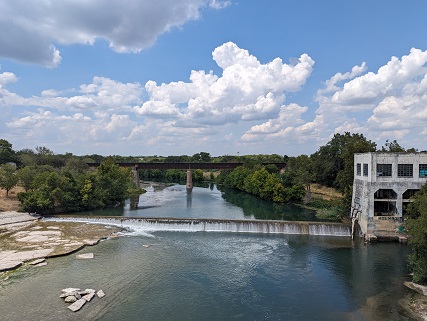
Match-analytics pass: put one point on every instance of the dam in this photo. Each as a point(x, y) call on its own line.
point(215, 225)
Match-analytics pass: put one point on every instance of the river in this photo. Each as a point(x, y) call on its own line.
point(167, 275)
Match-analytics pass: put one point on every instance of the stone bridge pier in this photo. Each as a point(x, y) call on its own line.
point(189, 183)
point(135, 176)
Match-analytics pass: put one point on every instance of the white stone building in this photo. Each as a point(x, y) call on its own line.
point(383, 185)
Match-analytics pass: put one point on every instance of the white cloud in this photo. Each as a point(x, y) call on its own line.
point(33, 27)
point(244, 106)
point(247, 90)
point(389, 80)
point(388, 104)
point(6, 78)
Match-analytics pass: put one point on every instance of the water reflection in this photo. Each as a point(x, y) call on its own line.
point(266, 210)
point(189, 198)
point(205, 201)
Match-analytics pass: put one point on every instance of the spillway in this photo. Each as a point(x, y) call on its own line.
point(214, 225)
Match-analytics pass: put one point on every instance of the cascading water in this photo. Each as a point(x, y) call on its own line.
point(216, 225)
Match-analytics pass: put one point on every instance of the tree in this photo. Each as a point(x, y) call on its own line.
point(8, 177)
point(392, 147)
point(201, 157)
point(299, 170)
point(333, 163)
point(113, 181)
point(7, 154)
point(26, 176)
point(416, 225)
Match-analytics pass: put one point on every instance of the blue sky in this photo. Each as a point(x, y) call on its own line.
point(175, 77)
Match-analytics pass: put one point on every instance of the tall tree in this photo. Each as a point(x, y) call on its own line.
point(7, 154)
point(8, 177)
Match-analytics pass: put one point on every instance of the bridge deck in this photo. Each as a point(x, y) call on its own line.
point(184, 166)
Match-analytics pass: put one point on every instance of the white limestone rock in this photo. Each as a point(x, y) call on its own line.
point(71, 293)
point(38, 261)
point(85, 256)
point(100, 294)
point(70, 290)
point(70, 299)
point(76, 306)
point(88, 296)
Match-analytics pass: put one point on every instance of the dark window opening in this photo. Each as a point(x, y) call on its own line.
point(358, 169)
point(423, 170)
point(409, 193)
point(385, 194)
point(405, 170)
point(384, 208)
point(384, 170)
point(365, 169)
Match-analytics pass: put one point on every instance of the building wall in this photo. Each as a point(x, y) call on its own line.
point(372, 175)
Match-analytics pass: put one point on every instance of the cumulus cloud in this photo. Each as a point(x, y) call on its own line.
point(246, 90)
point(34, 27)
point(387, 104)
point(247, 104)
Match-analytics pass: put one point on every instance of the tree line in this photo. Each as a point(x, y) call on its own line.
point(63, 184)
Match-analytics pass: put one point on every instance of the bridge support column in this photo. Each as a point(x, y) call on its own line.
point(189, 184)
point(135, 176)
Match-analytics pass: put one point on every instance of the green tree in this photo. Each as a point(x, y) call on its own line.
point(416, 225)
point(333, 163)
point(254, 183)
point(198, 175)
point(113, 182)
point(8, 177)
point(201, 157)
point(7, 154)
point(236, 178)
point(299, 170)
point(26, 176)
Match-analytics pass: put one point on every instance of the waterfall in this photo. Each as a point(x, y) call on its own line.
point(214, 225)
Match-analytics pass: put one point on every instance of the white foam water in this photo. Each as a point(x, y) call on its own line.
point(148, 225)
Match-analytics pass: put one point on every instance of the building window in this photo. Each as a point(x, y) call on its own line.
point(359, 169)
point(405, 170)
point(365, 169)
point(423, 170)
point(384, 170)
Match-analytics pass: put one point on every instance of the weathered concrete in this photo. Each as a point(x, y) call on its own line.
point(383, 185)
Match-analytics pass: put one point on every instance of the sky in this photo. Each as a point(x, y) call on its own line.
point(227, 77)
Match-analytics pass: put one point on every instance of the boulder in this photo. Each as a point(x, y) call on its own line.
point(76, 306)
point(100, 294)
point(70, 299)
point(71, 293)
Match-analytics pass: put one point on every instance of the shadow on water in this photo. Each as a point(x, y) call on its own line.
point(267, 210)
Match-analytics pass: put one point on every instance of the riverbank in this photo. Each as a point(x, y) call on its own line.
point(25, 238)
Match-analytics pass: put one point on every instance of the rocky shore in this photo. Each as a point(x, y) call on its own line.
point(25, 238)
